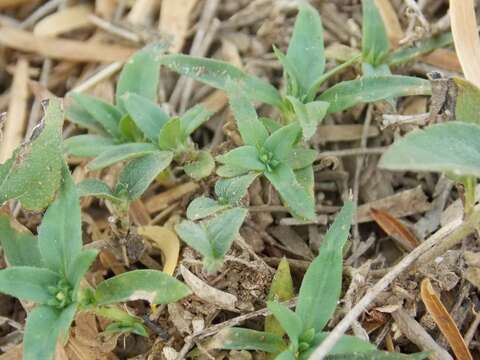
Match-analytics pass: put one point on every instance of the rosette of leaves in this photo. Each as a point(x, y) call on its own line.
point(48, 271)
point(304, 70)
point(136, 126)
point(317, 300)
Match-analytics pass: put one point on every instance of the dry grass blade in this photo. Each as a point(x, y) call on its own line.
point(465, 36)
point(166, 241)
point(64, 21)
point(395, 229)
point(444, 321)
point(175, 21)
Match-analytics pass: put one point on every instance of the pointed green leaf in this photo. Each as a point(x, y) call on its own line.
point(289, 321)
point(370, 89)
point(270, 124)
point(282, 141)
point(44, 326)
point(195, 236)
point(451, 147)
point(79, 268)
point(306, 179)
point(306, 49)
point(369, 70)
point(309, 115)
point(300, 158)
point(296, 198)
point(375, 43)
point(149, 117)
point(96, 188)
point(246, 339)
point(139, 173)
point(129, 130)
point(154, 286)
point(346, 344)
point(232, 190)
point(218, 73)
point(286, 355)
point(290, 73)
point(60, 234)
point(229, 171)
point(122, 328)
point(194, 118)
point(467, 106)
point(171, 136)
point(201, 167)
point(378, 355)
point(121, 152)
point(105, 114)
point(321, 285)
point(76, 114)
point(33, 174)
point(20, 247)
point(243, 157)
point(202, 207)
point(28, 283)
point(87, 145)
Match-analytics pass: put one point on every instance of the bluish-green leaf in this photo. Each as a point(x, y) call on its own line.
point(375, 43)
point(306, 179)
point(290, 73)
point(44, 326)
point(201, 167)
point(28, 283)
point(282, 141)
point(76, 114)
point(129, 130)
point(232, 190)
point(139, 173)
point(300, 158)
point(289, 320)
point(194, 118)
point(105, 114)
point(451, 147)
point(346, 344)
point(246, 339)
point(141, 74)
point(171, 135)
point(300, 203)
point(321, 285)
point(306, 49)
point(243, 157)
point(87, 145)
point(286, 355)
point(370, 89)
point(467, 105)
point(20, 247)
point(121, 152)
point(228, 171)
point(154, 286)
point(96, 188)
point(79, 268)
point(202, 207)
point(378, 355)
point(309, 115)
point(60, 234)
point(149, 117)
point(195, 236)
point(218, 73)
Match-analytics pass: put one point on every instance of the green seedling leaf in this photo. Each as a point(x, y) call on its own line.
point(218, 73)
point(246, 339)
point(378, 355)
point(375, 71)
point(121, 328)
point(282, 141)
point(139, 173)
point(108, 116)
point(172, 136)
point(309, 115)
point(87, 145)
point(33, 174)
point(467, 106)
point(201, 167)
point(76, 114)
point(28, 283)
point(153, 286)
point(195, 236)
point(228, 171)
point(121, 152)
point(44, 326)
point(300, 158)
point(306, 49)
point(60, 234)
point(250, 127)
point(147, 115)
point(345, 345)
point(428, 150)
point(306, 179)
point(375, 43)
point(289, 71)
point(129, 130)
point(231, 191)
point(96, 188)
point(289, 321)
point(323, 279)
point(202, 207)
point(370, 89)
point(243, 157)
point(19, 245)
point(286, 355)
point(270, 124)
point(296, 198)
point(79, 268)
point(141, 74)
point(194, 118)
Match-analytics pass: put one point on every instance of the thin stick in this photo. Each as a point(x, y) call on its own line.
point(103, 74)
point(353, 152)
point(455, 230)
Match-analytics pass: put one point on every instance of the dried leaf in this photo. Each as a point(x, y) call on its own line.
point(166, 241)
point(444, 321)
point(395, 229)
point(64, 21)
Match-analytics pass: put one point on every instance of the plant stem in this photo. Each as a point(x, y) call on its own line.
point(469, 184)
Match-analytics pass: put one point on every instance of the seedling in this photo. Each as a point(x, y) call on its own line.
point(49, 272)
point(136, 126)
point(304, 65)
point(317, 301)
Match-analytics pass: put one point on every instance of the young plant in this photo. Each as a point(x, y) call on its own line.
point(304, 65)
point(49, 272)
point(317, 301)
point(136, 126)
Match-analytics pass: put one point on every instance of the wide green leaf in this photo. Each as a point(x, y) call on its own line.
point(79, 268)
point(243, 157)
point(195, 236)
point(309, 115)
point(147, 115)
point(296, 198)
point(370, 89)
point(289, 320)
point(378, 355)
point(467, 106)
point(282, 141)
point(76, 114)
point(141, 74)
point(218, 73)
point(201, 166)
point(105, 114)
point(306, 179)
point(20, 247)
point(306, 49)
point(246, 339)
point(345, 345)
point(451, 147)
point(60, 234)
point(96, 188)
point(289, 72)
point(28, 283)
point(375, 43)
point(121, 152)
point(129, 130)
point(231, 191)
point(139, 173)
point(202, 207)
point(154, 286)
point(172, 136)
point(33, 174)
point(228, 171)
point(44, 326)
point(87, 145)
point(300, 158)
point(194, 118)
point(322, 283)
